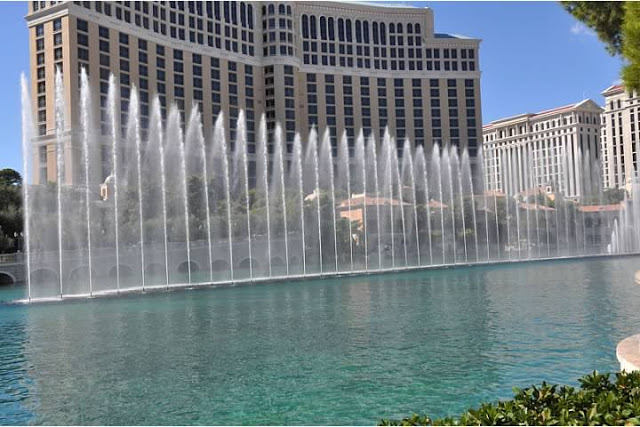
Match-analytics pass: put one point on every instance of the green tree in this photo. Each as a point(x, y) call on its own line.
point(613, 195)
point(10, 209)
point(617, 24)
point(631, 45)
point(10, 177)
point(603, 17)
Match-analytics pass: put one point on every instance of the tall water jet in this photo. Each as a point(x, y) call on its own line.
point(241, 156)
point(312, 158)
point(436, 163)
point(535, 187)
point(344, 183)
point(156, 137)
point(221, 153)
point(408, 169)
point(387, 179)
point(373, 161)
point(446, 159)
point(466, 179)
point(27, 135)
point(60, 123)
point(421, 165)
point(185, 194)
point(458, 173)
point(177, 200)
point(112, 100)
point(486, 205)
point(263, 182)
point(361, 155)
point(197, 169)
point(326, 163)
point(526, 188)
point(517, 207)
point(507, 192)
point(398, 181)
point(85, 100)
point(133, 131)
point(280, 174)
point(297, 149)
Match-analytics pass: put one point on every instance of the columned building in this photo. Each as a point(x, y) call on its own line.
point(338, 66)
point(556, 150)
point(620, 134)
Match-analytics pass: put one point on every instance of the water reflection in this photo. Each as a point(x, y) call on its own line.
point(345, 351)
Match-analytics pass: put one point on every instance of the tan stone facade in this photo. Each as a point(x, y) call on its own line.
point(620, 135)
point(340, 66)
point(550, 150)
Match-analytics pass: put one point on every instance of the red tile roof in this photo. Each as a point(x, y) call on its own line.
point(600, 208)
point(533, 207)
point(613, 89)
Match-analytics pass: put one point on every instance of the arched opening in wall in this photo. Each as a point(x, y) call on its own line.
point(294, 260)
point(249, 262)
point(183, 267)
point(155, 274)
point(220, 266)
point(80, 274)
point(277, 261)
point(127, 278)
point(6, 279)
point(278, 266)
point(125, 271)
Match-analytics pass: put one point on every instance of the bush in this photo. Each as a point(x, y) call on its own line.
point(598, 401)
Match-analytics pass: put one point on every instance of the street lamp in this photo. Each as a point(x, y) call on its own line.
point(17, 238)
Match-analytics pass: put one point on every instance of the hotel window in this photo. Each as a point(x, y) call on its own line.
point(83, 54)
point(81, 24)
point(57, 24)
point(312, 99)
point(83, 39)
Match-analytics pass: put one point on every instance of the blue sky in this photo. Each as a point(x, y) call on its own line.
point(533, 56)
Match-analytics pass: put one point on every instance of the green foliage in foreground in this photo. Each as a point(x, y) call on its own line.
point(598, 401)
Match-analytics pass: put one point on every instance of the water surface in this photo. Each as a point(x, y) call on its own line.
point(338, 351)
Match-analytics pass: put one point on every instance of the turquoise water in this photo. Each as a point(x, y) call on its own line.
point(339, 351)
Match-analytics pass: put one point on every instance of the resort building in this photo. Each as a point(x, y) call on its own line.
point(341, 66)
point(556, 150)
point(620, 137)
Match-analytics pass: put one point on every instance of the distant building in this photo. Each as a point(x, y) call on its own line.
point(620, 137)
point(553, 150)
point(354, 207)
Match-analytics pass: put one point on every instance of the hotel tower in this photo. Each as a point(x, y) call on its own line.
point(337, 66)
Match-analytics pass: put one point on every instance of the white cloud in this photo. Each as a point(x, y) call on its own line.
point(579, 29)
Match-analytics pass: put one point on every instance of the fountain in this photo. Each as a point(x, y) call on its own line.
point(183, 209)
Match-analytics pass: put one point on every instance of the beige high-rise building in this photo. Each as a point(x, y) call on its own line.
point(553, 150)
point(620, 128)
point(342, 66)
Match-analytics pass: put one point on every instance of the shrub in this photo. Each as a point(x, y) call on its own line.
point(598, 401)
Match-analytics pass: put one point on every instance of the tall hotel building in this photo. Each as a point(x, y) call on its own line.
point(620, 136)
point(342, 66)
point(553, 150)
